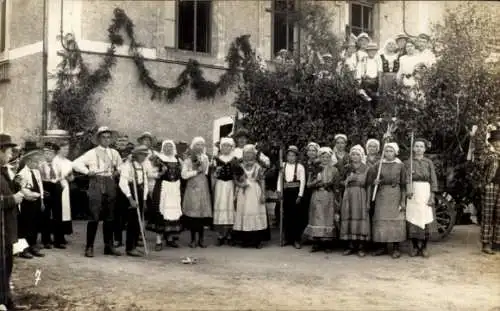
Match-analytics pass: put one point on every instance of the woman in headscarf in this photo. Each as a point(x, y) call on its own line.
point(372, 150)
point(224, 190)
point(323, 211)
point(340, 155)
point(166, 197)
point(251, 227)
point(354, 214)
point(312, 166)
point(419, 210)
point(196, 206)
point(389, 59)
point(389, 224)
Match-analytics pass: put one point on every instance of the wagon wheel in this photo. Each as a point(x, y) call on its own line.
point(446, 216)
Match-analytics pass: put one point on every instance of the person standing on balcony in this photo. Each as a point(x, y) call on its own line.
point(389, 61)
point(401, 41)
point(490, 224)
point(407, 66)
point(370, 74)
point(348, 59)
point(101, 165)
point(196, 206)
point(426, 54)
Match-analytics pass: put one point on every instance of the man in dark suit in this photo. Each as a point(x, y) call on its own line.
point(9, 201)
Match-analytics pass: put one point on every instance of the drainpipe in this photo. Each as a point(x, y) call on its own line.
point(404, 20)
point(156, 60)
point(44, 70)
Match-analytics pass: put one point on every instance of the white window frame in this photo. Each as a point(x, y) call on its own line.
point(217, 124)
point(4, 55)
point(1, 120)
point(273, 31)
point(210, 34)
point(363, 3)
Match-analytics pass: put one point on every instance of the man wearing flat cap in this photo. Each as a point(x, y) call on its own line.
point(133, 184)
point(10, 198)
point(29, 177)
point(490, 224)
point(401, 41)
point(101, 165)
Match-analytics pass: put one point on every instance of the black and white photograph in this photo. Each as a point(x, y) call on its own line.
point(160, 155)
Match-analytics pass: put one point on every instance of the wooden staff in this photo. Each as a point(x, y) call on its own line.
point(411, 161)
point(139, 218)
point(282, 177)
point(374, 194)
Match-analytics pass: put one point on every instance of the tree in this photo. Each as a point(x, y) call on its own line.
point(291, 105)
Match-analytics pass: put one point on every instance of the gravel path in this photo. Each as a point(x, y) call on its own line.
point(456, 277)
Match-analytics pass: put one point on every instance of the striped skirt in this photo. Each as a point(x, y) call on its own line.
point(490, 224)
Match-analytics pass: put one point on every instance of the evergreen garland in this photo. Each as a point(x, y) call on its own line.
point(72, 99)
point(192, 75)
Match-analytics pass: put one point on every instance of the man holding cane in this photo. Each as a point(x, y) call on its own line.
point(9, 200)
point(133, 184)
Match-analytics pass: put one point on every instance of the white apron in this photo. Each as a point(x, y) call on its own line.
point(417, 210)
point(65, 201)
point(170, 200)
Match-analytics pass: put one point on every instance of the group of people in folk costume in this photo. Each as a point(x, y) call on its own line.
point(400, 61)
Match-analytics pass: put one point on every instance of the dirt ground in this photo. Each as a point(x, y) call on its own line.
point(456, 277)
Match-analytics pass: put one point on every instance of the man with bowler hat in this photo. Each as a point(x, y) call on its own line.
point(490, 224)
point(10, 198)
point(101, 165)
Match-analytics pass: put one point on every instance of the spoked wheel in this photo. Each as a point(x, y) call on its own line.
point(446, 215)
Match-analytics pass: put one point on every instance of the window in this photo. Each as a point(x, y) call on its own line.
point(193, 25)
point(3, 26)
point(283, 26)
point(361, 17)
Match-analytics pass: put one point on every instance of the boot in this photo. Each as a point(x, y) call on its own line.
point(200, 239)
point(134, 253)
point(395, 252)
point(413, 248)
point(487, 249)
point(424, 251)
point(26, 254)
point(35, 252)
point(110, 250)
point(89, 252)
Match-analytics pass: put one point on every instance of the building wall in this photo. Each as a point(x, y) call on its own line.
point(21, 97)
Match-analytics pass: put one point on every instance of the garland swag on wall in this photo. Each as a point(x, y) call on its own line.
point(192, 75)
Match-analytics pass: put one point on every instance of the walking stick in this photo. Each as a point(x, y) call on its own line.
point(374, 194)
point(411, 161)
point(139, 218)
point(281, 176)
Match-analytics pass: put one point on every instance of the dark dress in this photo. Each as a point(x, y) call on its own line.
point(423, 172)
point(171, 174)
point(354, 214)
point(388, 223)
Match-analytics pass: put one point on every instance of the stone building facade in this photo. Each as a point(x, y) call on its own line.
point(172, 32)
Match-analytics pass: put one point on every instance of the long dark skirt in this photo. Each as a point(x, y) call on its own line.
point(293, 215)
point(156, 222)
point(415, 232)
point(252, 237)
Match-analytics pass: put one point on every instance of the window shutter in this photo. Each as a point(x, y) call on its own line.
point(170, 24)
